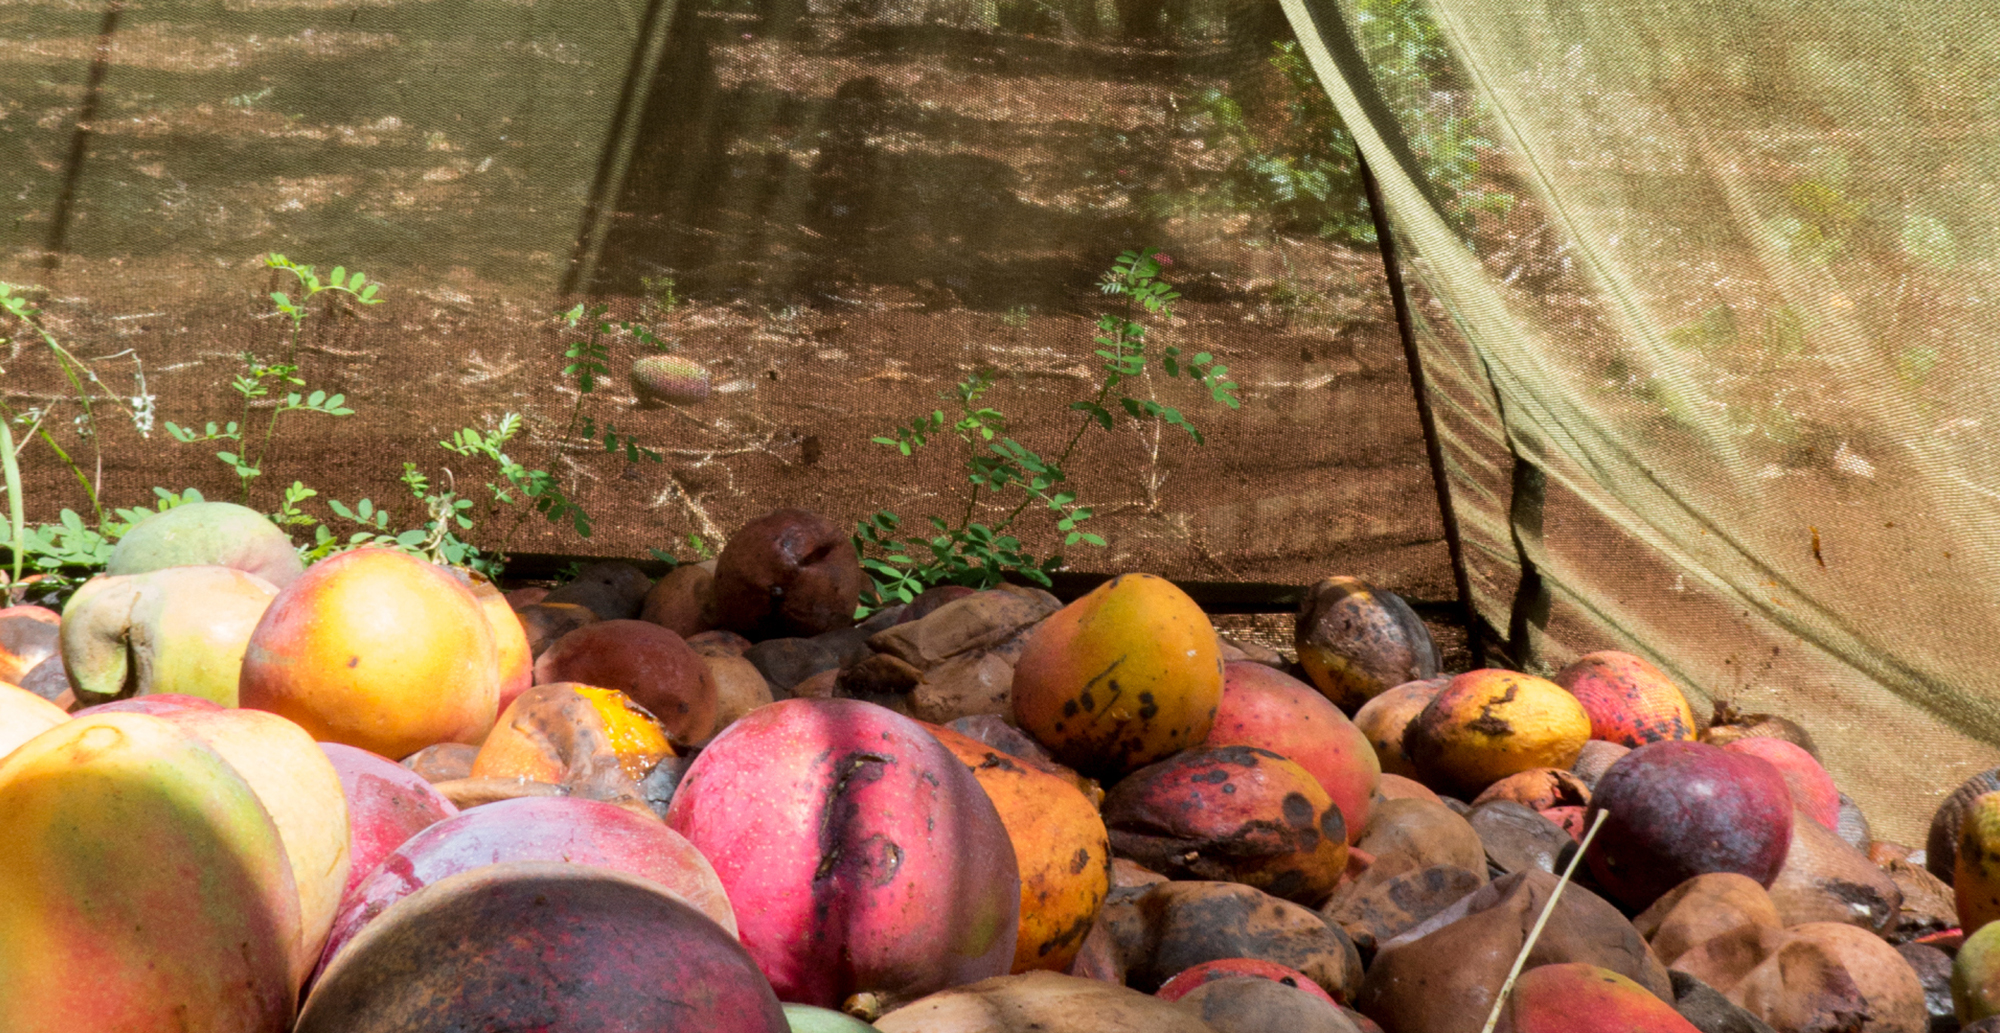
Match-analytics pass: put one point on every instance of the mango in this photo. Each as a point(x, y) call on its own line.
point(1976, 879)
point(28, 636)
point(24, 715)
point(199, 534)
point(1812, 789)
point(1491, 723)
point(1060, 844)
point(860, 855)
point(1187, 979)
point(1975, 975)
point(1384, 719)
point(181, 630)
point(378, 650)
point(1234, 813)
point(557, 829)
point(541, 945)
point(1272, 710)
point(301, 792)
point(1682, 809)
point(1630, 702)
point(510, 641)
point(647, 662)
point(597, 742)
point(387, 803)
point(1120, 678)
point(1357, 641)
point(1578, 998)
point(142, 886)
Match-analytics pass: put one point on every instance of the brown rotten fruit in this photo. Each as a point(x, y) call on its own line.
point(790, 572)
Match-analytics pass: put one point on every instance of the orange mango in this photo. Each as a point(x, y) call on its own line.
point(1120, 678)
point(1489, 724)
point(1060, 844)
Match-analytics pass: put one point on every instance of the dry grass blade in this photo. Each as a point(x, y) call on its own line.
point(1541, 920)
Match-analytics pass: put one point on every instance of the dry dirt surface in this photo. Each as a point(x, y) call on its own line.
point(854, 219)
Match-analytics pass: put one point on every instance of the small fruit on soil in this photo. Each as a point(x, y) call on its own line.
point(1680, 809)
point(1630, 702)
point(1122, 677)
point(378, 650)
point(1357, 641)
point(1274, 711)
point(668, 380)
point(1489, 724)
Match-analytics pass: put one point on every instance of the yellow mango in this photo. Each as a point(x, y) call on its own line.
point(1120, 678)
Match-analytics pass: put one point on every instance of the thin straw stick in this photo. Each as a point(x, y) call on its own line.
point(1536, 932)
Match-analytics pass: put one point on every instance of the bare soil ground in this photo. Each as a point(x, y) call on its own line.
point(864, 217)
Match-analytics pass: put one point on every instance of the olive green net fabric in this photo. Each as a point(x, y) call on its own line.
point(1714, 386)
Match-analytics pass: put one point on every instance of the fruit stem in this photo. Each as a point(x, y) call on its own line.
point(1535, 933)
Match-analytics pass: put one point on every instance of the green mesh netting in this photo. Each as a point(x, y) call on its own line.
point(1711, 386)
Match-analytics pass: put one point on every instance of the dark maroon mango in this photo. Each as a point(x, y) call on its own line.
point(790, 572)
point(1675, 810)
point(562, 829)
point(528, 945)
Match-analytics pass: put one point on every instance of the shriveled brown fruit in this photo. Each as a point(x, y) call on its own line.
point(718, 643)
point(1538, 789)
point(1252, 1005)
point(1702, 908)
point(1518, 839)
point(1127, 873)
point(1941, 848)
point(1928, 905)
point(1820, 969)
point(1376, 908)
point(1144, 937)
point(1404, 835)
point(1041, 1002)
point(1826, 880)
point(1730, 724)
point(683, 602)
point(1231, 812)
point(1440, 976)
point(544, 623)
point(1933, 969)
point(1398, 787)
point(739, 689)
point(1595, 759)
point(613, 590)
point(790, 572)
point(442, 762)
point(644, 661)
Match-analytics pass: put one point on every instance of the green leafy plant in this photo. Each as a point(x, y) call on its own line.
point(1005, 474)
point(85, 385)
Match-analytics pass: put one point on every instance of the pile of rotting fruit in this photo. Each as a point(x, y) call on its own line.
point(375, 794)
